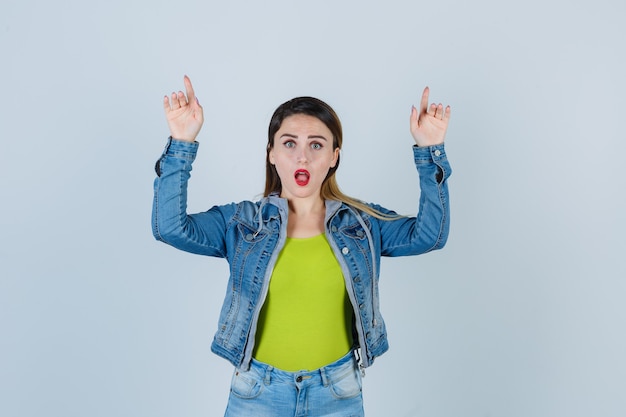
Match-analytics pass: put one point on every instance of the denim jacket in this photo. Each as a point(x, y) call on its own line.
point(250, 235)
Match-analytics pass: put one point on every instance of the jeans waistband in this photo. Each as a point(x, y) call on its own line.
point(323, 375)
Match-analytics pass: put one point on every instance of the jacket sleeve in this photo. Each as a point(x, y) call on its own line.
point(202, 233)
point(429, 229)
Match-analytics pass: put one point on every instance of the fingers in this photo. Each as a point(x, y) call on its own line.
point(424, 101)
point(179, 100)
point(435, 110)
point(189, 88)
point(182, 100)
point(414, 119)
point(439, 112)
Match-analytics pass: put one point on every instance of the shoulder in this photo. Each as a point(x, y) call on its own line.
point(371, 211)
point(248, 211)
point(237, 208)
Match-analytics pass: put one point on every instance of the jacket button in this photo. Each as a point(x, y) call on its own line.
point(333, 229)
point(345, 251)
point(357, 279)
point(249, 236)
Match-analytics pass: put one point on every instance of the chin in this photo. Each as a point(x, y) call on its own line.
point(300, 193)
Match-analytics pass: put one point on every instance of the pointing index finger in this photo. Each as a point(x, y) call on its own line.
point(424, 102)
point(191, 97)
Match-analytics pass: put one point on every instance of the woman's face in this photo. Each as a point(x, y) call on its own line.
point(302, 154)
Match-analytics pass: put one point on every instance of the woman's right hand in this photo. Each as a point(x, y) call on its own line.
point(184, 114)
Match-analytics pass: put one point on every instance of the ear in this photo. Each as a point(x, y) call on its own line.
point(335, 157)
point(270, 156)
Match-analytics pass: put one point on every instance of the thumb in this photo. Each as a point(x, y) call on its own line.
point(414, 118)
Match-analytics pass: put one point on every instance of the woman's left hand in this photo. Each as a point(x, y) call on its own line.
point(429, 124)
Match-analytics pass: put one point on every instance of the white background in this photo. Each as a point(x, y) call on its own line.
point(522, 314)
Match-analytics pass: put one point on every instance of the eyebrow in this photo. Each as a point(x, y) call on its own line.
point(289, 135)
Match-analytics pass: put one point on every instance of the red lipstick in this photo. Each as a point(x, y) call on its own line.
point(302, 177)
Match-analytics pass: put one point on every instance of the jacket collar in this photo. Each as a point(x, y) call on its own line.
point(332, 206)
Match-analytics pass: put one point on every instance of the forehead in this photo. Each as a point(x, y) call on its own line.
point(304, 124)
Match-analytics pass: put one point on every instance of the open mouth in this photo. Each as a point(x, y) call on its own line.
point(302, 177)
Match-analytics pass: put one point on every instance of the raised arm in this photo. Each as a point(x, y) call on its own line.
point(201, 233)
point(429, 229)
point(184, 113)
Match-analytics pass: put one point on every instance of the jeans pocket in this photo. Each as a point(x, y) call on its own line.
point(246, 385)
point(347, 385)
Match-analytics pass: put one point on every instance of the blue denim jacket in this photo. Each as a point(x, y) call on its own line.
point(250, 235)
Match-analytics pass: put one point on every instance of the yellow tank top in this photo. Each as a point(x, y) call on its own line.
point(306, 321)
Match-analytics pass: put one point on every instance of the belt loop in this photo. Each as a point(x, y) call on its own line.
point(324, 376)
point(268, 373)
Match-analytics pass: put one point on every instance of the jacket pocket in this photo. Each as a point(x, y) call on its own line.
point(249, 234)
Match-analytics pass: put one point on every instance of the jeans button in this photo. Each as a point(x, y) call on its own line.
point(299, 378)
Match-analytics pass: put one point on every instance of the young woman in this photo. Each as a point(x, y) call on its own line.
point(300, 319)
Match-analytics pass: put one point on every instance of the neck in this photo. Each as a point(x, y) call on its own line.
point(306, 207)
point(306, 217)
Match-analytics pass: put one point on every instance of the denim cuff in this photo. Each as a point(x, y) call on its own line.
point(426, 154)
point(181, 148)
point(177, 149)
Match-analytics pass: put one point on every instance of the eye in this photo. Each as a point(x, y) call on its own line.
point(316, 146)
point(290, 144)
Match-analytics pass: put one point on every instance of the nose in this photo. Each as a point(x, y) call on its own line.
point(302, 156)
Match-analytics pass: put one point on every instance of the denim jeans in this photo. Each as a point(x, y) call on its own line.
point(264, 391)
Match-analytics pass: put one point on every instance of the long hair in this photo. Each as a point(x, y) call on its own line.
point(311, 106)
